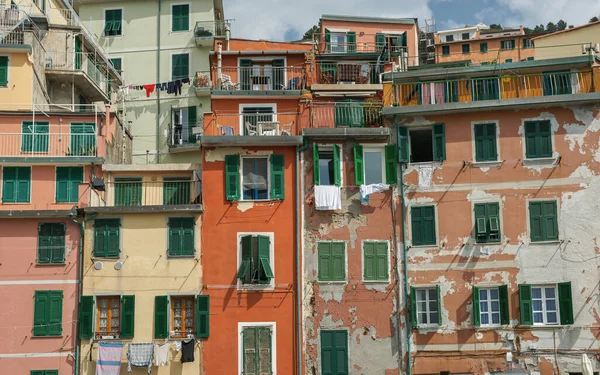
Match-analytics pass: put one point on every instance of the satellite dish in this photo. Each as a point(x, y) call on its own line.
point(98, 266)
point(118, 266)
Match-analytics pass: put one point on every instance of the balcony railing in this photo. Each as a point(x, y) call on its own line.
point(170, 191)
point(211, 29)
point(346, 115)
point(352, 42)
point(13, 24)
point(263, 123)
point(88, 63)
point(349, 73)
point(202, 81)
point(44, 144)
point(259, 78)
point(466, 90)
point(184, 133)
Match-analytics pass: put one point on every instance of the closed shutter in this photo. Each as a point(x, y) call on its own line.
point(565, 303)
point(246, 74)
point(549, 221)
point(429, 225)
point(337, 173)
point(351, 39)
point(525, 305)
point(334, 352)
point(127, 316)
point(324, 255)
point(181, 18)
point(106, 238)
point(381, 259)
point(391, 166)
point(535, 221)
point(370, 266)
point(277, 177)
point(403, 153)
point(67, 183)
point(265, 273)
point(23, 184)
point(181, 66)
point(246, 264)
point(316, 169)
point(55, 302)
point(423, 225)
point(327, 40)
point(9, 184)
point(40, 313)
point(4, 71)
point(232, 177)
point(416, 223)
point(57, 242)
point(413, 307)
point(504, 306)
point(375, 261)
point(37, 372)
point(439, 142)
point(113, 242)
point(249, 351)
point(44, 243)
point(538, 139)
point(338, 261)
point(161, 323)
point(86, 317)
point(359, 166)
point(485, 142)
point(202, 316)
point(181, 236)
point(327, 354)
point(278, 74)
point(545, 139)
point(476, 307)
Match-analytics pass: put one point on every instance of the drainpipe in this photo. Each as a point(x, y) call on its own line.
point(158, 80)
point(220, 63)
point(227, 35)
point(300, 287)
point(405, 270)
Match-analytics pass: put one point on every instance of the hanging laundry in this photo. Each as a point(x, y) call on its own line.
point(177, 345)
point(178, 87)
point(161, 357)
point(158, 87)
point(163, 86)
point(185, 80)
point(425, 175)
point(366, 190)
point(149, 90)
point(109, 359)
point(187, 353)
point(140, 355)
point(328, 197)
point(171, 87)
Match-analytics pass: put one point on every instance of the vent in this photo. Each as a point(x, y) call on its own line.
point(98, 266)
point(118, 266)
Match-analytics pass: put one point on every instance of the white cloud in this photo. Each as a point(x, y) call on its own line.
point(272, 19)
point(534, 12)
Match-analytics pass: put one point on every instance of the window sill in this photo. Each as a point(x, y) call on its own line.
point(423, 246)
point(540, 161)
point(487, 164)
point(190, 256)
point(332, 282)
point(550, 242)
point(376, 281)
point(94, 258)
point(433, 164)
point(488, 243)
point(427, 328)
point(51, 264)
point(179, 31)
point(491, 327)
point(47, 337)
point(252, 287)
point(258, 200)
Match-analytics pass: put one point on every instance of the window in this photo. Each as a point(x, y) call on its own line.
point(16, 184)
point(425, 306)
point(527, 43)
point(449, 38)
point(426, 144)
point(47, 313)
point(543, 221)
point(334, 352)
point(43, 372)
point(375, 165)
point(115, 317)
point(187, 316)
point(257, 350)
point(490, 306)
point(485, 142)
point(445, 50)
point(546, 304)
point(176, 190)
point(485, 88)
point(83, 139)
point(251, 116)
point(538, 139)
point(256, 265)
point(557, 83)
point(3, 71)
point(327, 164)
point(349, 113)
point(107, 241)
point(531, 58)
point(508, 60)
point(254, 180)
point(180, 66)
point(183, 121)
point(423, 225)
point(507, 44)
point(116, 62)
point(483, 47)
point(466, 48)
point(128, 191)
point(35, 137)
point(113, 20)
point(338, 42)
point(181, 236)
point(487, 222)
point(332, 261)
point(51, 243)
point(67, 184)
point(375, 261)
point(182, 317)
point(180, 17)
point(465, 36)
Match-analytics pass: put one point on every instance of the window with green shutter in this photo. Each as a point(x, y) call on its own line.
point(202, 316)
point(47, 314)
point(113, 22)
point(466, 48)
point(423, 225)
point(180, 20)
point(546, 304)
point(327, 164)
point(332, 261)
point(254, 178)
point(485, 142)
point(107, 238)
point(257, 350)
point(67, 184)
point(543, 221)
point(507, 44)
point(181, 236)
point(3, 71)
point(128, 191)
point(16, 184)
point(490, 306)
point(334, 352)
point(375, 261)
point(86, 317)
point(445, 50)
point(180, 66)
point(277, 177)
point(51, 243)
point(256, 265)
point(35, 136)
point(426, 306)
point(487, 222)
point(176, 190)
point(538, 139)
point(43, 372)
point(483, 47)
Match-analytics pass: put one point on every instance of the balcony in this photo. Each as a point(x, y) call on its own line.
point(202, 84)
point(259, 80)
point(86, 70)
point(349, 76)
point(335, 43)
point(183, 135)
point(206, 32)
point(340, 119)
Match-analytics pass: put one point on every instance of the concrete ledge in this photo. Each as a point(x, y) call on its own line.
point(174, 149)
point(146, 209)
point(150, 167)
point(245, 93)
point(8, 48)
point(32, 214)
point(363, 133)
point(51, 160)
point(251, 140)
point(342, 87)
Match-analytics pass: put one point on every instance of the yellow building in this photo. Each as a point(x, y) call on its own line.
point(567, 43)
point(142, 267)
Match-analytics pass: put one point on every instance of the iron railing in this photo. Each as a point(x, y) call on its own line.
point(346, 114)
point(259, 78)
point(128, 192)
point(260, 123)
point(349, 73)
point(352, 42)
point(184, 133)
point(41, 143)
point(211, 29)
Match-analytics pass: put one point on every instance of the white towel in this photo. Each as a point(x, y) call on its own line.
point(425, 175)
point(328, 197)
point(366, 190)
point(161, 357)
point(177, 345)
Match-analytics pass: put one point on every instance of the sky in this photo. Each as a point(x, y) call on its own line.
point(288, 20)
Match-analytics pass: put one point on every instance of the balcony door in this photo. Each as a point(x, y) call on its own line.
point(183, 120)
point(262, 75)
point(252, 116)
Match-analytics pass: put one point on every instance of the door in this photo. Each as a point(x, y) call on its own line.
point(334, 352)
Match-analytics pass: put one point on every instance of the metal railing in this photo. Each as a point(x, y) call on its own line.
point(251, 124)
point(361, 43)
point(184, 133)
point(169, 191)
point(346, 114)
point(202, 81)
point(86, 62)
point(211, 29)
point(349, 73)
point(13, 23)
point(41, 143)
point(259, 78)
point(61, 16)
point(43, 109)
point(466, 90)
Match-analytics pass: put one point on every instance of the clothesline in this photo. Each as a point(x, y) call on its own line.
point(171, 87)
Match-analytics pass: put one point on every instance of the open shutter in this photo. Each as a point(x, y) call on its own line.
point(370, 268)
point(127, 316)
point(439, 142)
point(264, 255)
point(278, 74)
point(246, 258)
point(476, 310)
point(245, 74)
point(403, 154)
point(338, 261)
point(351, 39)
point(277, 177)
point(202, 316)
point(55, 302)
point(391, 167)
point(337, 172)
point(161, 323)
point(439, 304)
point(379, 41)
point(327, 40)
point(191, 123)
point(232, 177)
point(504, 306)
point(316, 169)
point(44, 243)
point(565, 303)
point(3, 70)
point(86, 317)
point(359, 167)
point(413, 307)
point(525, 305)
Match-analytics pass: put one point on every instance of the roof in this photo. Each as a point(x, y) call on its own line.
point(238, 44)
point(567, 30)
point(333, 17)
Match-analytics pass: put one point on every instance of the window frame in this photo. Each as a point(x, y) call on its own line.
point(257, 286)
point(446, 50)
point(489, 305)
point(93, 228)
point(483, 47)
point(331, 43)
point(268, 159)
point(240, 350)
point(512, 44)
point(171, 315)
point(330, 147)
point(468, 51)
point(51, 251)
point(17, 200)
point(463, 36)
point(171, 65)
point(557, 215)
point(345, 279)
point(527, 43)
point(387, 259)
point(173, 5)
point(474, 124)
point(543, 299)
point(416, 289)
point(374, 148)
point(97, 334)
point(435, 223)
point(524, 140)
point(122, 31)
point(168, 244)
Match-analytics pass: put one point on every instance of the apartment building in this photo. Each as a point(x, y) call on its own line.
point(500, 178)
point(53, 141)
point(571, 42)
point(481, 45)
point(158, 46)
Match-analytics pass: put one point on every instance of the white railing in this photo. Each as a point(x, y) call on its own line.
point(48, 145)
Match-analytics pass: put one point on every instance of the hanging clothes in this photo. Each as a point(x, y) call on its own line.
point(328, 197)
point(140, 355)
point(149, 90)
point(178, 87)
point(161, 357)
point(185, 80)
point(177, 346)
point(187, 351)
point(171, 87)
point(109, 359)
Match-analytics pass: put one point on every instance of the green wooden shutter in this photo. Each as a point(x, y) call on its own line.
point(44, 243)
point(416, 223)
point(504, 305)
point(55, 307)
point(413, 307)
point(370, 266)
point(381, 256)
point(324, 255)
point(403, 153)
point(476, 309)
point(536, 221)
point(485, 142)
point(391, 167)
point(351, 40)
point(278, 74)
point(57, 242)
point(51, 372)
point(328, 40)
point(439, 304)
point(41, 308)
point(246, 74)
point(23, 184)
point(545, 138)
point(37, 372)
point(316, 169)
point(380, 41)
point(127, 316)
point(100, 239)
point(187, 236)
point(429, 225)
point(3, 70)
point(161, 322)
point(549, 221)
point(175, 237)
point(232, 177)
point(334, 352)
point(525, 305)
point(565, 303)
point(338, 261)
point(264, 254)
point(359, 166)
point(337, 172)
point(181, 17)
point(86, 317)
point(202, 316)
point(277, 177)
point(327, 354)
point(113, 242)
point(341, 352)
point(439, 142)
point(481, 227)
point(106, 238)
point(9, 184)
point(192, 121)
point(245, 266)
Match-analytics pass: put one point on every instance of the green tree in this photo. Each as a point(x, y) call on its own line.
point(550, 27)
point(539, 29)
point(561, 25)
point(313, 30)
point(496, 26)
point(594, 19)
